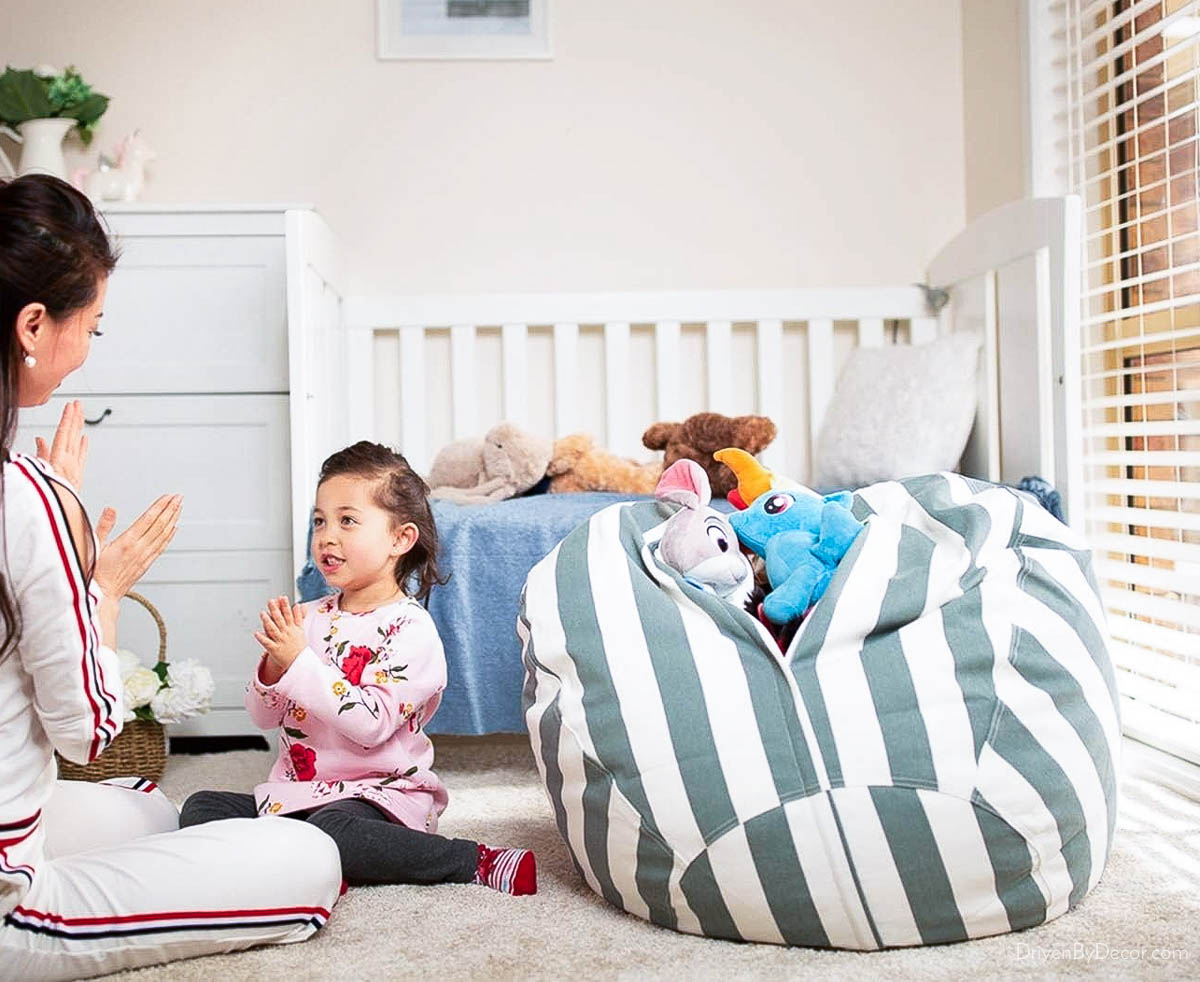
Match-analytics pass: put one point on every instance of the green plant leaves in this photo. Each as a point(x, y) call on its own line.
point(68, 89)
point(88, 113)
point(25, 96)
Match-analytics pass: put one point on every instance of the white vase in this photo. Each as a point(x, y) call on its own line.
point(41, 146)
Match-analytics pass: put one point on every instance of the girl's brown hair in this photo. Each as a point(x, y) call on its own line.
point(400, 492)
point(53, 251)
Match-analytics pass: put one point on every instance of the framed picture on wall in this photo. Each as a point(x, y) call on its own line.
point(463, 29)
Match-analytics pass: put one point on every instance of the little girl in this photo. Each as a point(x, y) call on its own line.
point(351, 679)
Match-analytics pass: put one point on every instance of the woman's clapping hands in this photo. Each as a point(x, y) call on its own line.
point(123, 561)
point(67, 453)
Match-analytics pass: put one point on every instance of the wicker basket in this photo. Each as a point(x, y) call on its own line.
point(140, 749)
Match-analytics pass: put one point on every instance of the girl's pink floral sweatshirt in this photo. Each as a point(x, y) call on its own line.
point(351, 711)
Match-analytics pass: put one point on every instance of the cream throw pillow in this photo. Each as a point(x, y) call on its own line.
point(898, 411)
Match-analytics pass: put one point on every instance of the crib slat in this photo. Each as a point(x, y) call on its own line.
point(666, 365)
point(360, 373)
point(820, 379)
point(870, 332)
point(389, 397)
point(922, 330)
point(462, 378)
point(718, 361)
point(566, 342)
point(515, 368)
point(412, 396)
point(769, 369)
point(616, 386)
point(990, 407)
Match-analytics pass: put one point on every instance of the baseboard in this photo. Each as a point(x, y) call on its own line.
point(1142, 760)
point(216, 744)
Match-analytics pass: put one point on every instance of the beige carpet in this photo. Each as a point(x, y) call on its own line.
point(1142, 921)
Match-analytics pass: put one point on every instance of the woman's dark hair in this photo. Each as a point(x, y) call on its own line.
point(400, 492)
point(53, 251)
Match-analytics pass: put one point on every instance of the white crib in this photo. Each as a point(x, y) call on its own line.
point(612, 364)
point(423, 370)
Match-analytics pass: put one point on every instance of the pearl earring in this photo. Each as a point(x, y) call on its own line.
point(30, 361)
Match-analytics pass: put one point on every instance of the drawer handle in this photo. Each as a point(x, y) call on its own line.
point(99, 419)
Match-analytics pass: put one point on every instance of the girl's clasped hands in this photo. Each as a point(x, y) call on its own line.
point(282, 637)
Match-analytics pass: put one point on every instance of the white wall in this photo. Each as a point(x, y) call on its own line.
point(994, 141)
point(668, 144)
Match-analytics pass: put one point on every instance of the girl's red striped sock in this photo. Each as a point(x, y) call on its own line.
point(507, 870)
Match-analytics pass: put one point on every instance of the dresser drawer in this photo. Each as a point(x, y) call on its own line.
point(227, 455)
point(192, 314)
point(210, 604)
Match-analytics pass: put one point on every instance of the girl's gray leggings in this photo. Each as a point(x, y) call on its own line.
point(374, 848)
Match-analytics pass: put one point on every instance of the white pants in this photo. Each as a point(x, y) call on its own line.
point(122, 886)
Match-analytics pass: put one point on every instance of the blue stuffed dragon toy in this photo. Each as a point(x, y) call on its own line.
point(801, 535)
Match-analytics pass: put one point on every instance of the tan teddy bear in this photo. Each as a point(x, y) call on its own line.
point(577, 464)
point(698, 437)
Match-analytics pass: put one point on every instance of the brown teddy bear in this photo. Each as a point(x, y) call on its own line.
point(698, 437)
point(577, 464)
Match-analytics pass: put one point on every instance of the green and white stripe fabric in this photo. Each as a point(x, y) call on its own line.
point(934, 759)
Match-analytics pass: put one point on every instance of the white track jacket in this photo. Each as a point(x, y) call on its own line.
point(60, 689)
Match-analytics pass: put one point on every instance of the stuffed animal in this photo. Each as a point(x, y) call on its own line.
point(698, 541)
point(577, 464)
point(802, 536)
point(752, 478)
point(698, 436)
point(506, 462)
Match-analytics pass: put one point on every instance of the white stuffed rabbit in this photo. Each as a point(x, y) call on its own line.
point(698, 541)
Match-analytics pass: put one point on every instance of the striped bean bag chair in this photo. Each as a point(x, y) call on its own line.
point(933, 759)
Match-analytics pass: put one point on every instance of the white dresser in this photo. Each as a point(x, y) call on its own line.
point(219, 376)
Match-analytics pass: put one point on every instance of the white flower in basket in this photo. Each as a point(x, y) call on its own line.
point(154, 696)
point(141, 684)
point(168, 692)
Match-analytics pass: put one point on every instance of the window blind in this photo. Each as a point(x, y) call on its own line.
point(1134, 109)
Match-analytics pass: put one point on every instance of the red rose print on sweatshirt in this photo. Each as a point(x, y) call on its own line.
point(304, 761)
point(354, 663)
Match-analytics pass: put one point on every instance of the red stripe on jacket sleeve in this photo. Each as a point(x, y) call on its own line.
point(80, 608)
point(91, 589)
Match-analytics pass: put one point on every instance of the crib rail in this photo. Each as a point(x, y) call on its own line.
point(425, 370)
